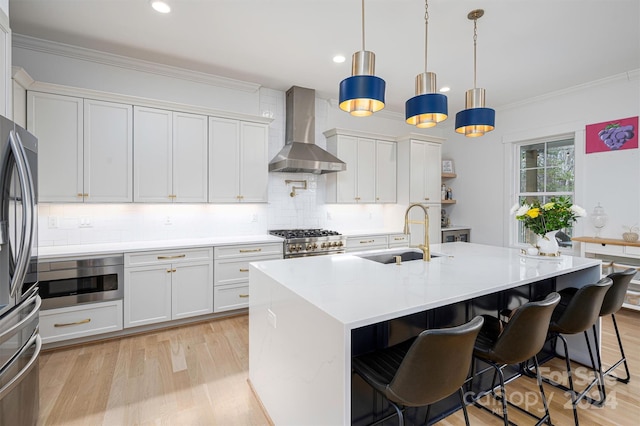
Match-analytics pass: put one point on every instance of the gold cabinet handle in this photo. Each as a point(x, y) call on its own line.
point(177, 256)
point(244, 270)
point(250, 250)
point(69, 324)
point(243, 296)
point(85, 194)
point(79, 194)
point(367, 242)
point(426, 198)
point(399, 238)
point(172, 196)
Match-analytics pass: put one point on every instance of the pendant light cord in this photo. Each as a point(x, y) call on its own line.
point(363, 49)
point(475, 41)
point(426, 32)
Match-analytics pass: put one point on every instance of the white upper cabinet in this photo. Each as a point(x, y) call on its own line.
point(238, 161)
point(424, 183)
point(170, 152)
point(386, 171)
point(370, 176)
point(108, 152)
point(57, 123)
point(85, 148)
point(190, 157)
point(5, 66)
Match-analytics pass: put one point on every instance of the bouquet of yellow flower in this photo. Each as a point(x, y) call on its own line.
point(557, 214)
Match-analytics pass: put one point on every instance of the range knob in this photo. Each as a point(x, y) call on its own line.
point(314, 246)
point(291, 247)
point(340, 243)
point(309, 246)
point(323, 245)
point(334, 244)
point(298, 247)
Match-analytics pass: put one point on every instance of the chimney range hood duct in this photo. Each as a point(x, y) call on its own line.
point(300, 153)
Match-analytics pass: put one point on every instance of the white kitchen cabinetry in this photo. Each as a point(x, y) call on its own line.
point(85, 148)
point(617, 255)
point(170, 154)
point(6, 87)
point(80, 321)
point(371, 161)
point(238, 161)
point(231, 272)
point(366, 242)
point(167, 285)
point(419, 181)
point(398, 240)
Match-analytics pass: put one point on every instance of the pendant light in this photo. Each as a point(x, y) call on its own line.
point(362, 94)
point(427, 108)
point(475, 120)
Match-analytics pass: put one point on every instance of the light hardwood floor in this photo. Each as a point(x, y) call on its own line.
point(197, 375)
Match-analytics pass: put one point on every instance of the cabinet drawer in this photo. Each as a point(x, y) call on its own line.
point(228, 297)
point(80, 321)
point(367, 242)
point(604, 249)
point(228, 271)
point(632, 251)
point(167, 256)
point(398, 240)
point(273, 250)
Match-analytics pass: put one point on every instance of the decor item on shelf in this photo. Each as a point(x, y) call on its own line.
point(447, 166)
point(598, 219)
point(545, 220)
point(475, 120)
point(631, 234)
point(362, 94)
point(427, 108)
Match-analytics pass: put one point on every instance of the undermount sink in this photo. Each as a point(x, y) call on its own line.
point(405, 256)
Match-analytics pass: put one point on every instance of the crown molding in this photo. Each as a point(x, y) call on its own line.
point(90, 55)
point(628, 76)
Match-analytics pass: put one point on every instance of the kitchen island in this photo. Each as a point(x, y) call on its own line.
point(309, 316)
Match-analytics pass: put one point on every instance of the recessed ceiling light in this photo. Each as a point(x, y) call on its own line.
point(160, 6)
point(445, 89)
point(338, 59)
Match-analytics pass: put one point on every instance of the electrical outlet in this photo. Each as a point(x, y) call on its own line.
point(254, 218)
point(53, 222)
point(85, 222)
point(271, 318)
point(168, 221)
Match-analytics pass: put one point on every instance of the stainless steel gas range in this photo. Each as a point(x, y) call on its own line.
point(310, 242)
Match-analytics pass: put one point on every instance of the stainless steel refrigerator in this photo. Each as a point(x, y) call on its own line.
point(20, 342)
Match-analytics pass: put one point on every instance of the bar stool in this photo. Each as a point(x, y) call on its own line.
point(576, 313)
point(500, 344)
point(422, 370)
point(612, 303)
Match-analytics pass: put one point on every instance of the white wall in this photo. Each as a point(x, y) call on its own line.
point(484, 187)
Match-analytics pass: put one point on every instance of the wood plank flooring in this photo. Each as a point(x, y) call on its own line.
point(197, 375)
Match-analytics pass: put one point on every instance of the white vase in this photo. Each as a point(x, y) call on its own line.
point(548, 245)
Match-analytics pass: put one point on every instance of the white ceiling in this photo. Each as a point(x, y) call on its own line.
point(526, 48)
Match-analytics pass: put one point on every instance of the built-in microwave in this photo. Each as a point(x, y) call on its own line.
point(70, 282)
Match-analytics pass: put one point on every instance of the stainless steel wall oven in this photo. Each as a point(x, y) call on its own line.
point(71, 282)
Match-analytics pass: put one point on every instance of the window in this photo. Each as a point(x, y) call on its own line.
point(546, 168)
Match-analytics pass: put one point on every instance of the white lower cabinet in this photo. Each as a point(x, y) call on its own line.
point(367, 242)
point(398, 240)
point(167, 285)
point(231, 272)
point(80, 321)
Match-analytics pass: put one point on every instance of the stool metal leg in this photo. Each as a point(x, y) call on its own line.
point(622, 360)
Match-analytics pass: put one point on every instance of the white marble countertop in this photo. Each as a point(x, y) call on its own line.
point(50, 252)
point(364, 232)
point(358, 292)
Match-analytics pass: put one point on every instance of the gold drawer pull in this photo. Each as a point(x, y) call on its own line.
point(84, 321)
point(170, 271)
point(244, 270)
point(243, 295)
point(172, 196)
point(250, 250)
point(399, 238)
point(367, 242)
point(178, 256)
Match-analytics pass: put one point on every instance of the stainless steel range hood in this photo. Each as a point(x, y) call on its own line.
point(300, 153)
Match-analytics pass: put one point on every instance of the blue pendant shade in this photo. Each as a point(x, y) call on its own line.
point(426, 110)
point(362, 95)
point(474, 122)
